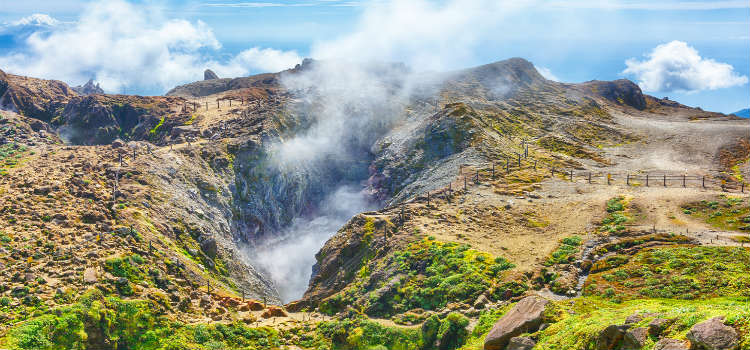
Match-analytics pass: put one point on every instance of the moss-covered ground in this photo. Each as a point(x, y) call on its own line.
point(427, 275)
point(725, 212)
point(676, 272)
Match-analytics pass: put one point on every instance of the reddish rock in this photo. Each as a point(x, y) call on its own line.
point(273, 311)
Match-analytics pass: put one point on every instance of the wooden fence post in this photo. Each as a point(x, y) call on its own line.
point(464, 183)
point(589, 178)
point(704, 181)
point(627, 179)
point(646, 180)
point(665, 180)
point(493, 170)
point(571, 175)
point(683, 180)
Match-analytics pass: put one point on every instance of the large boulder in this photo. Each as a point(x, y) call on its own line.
point(635, 338)
point(670, 344)
point(524, 317)
point(611, 337)
point(658, 325)
point(210, 247)
point(713, 335)
point(520, 343)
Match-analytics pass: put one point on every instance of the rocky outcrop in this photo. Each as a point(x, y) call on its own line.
point(31, 97)
point(611, 338)
point(89, 88)
point(623, 92)
point(100, 119)
point(267, 83)
point(713, 335)
point(524, 317)
point(658, 325)
point(670, 344)
point(209, 75)
point(635, 338)
point(520, 343)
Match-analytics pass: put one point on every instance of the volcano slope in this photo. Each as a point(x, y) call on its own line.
point(125, 218)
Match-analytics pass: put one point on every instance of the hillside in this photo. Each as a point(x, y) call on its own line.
point(745, 113)
point(139, 222)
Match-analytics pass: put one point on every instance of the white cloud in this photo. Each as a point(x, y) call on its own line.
point(258, 59)
point(546, 73)
point(38, 19)
point(424, 34)
point(676, 66)
point(124, 46)
point(664, 5)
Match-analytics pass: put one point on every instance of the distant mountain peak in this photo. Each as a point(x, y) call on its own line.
point(744, 113)
point(90, 88)
point(209, 75)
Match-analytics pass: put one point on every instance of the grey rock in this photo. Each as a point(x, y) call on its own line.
point(713, 335)
point(635, 338)
point(209, 75)
point(658, 325)
point(670, 344)
point(89, 275)
point(520, 343)
point(611, 337)
point(525, 316)
point(210, 247)
point(481, 302)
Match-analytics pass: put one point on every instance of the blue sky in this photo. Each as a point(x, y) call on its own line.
point(695, 52)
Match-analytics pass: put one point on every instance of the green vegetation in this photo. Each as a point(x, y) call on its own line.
point(128, 269)
point(569, 246)
point(487, 319)
point(10, 154)
point(428, 275)
point(726, 213)
point(579, 321)
point(153, 131)
point(675, 272)
point(617, 215)
point(97, 322)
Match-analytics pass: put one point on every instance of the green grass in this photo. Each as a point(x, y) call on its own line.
point(432, 274)
point(617, 215)
point(153, 131)
point(10, 154)
point(676, 272)
point(726, 213)
point(590, 315)
point(131, 324)
point(564, 254)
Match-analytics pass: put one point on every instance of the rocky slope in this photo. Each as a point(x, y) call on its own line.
point(146, 211)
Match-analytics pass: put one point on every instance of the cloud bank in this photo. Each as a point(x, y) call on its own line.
point(126, 47)
point(426, 35)
point(676, 66)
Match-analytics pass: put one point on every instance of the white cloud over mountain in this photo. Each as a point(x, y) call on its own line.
point(676, 66)
point(125, 46)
